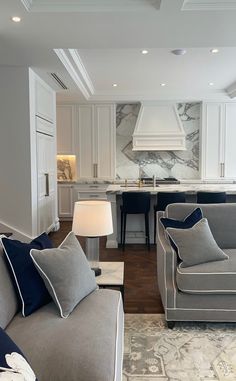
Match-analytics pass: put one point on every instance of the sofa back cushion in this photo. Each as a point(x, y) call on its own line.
point(221, 219)
point(8, 298)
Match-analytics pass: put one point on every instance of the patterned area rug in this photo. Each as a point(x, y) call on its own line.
point(189, 352)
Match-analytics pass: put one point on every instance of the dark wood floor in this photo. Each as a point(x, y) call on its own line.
point(141, 290)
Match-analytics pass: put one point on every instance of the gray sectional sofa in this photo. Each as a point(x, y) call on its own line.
point(87, 346)
point(203, 292)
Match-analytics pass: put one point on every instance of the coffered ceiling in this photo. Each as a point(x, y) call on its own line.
point(93, 44)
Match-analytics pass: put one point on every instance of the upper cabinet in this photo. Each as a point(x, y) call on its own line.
point(66, 129)
point(44, 101)
point(218, 141)
point(88, 131)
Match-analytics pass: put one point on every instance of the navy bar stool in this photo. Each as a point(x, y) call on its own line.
point(135, 203)
point(211, 197)
point(164, 199)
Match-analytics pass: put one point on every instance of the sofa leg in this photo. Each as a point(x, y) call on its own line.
point(170, 324)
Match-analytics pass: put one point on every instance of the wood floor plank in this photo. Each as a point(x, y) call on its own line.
point(140, 279)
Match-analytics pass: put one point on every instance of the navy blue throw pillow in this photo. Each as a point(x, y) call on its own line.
point(12, 361)
point(28, 283)
point(187, 223)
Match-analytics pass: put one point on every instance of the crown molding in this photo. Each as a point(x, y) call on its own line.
point(75, 75)
point(231, 90)
point(208, 5)
point(81, 68)
point(91, 5)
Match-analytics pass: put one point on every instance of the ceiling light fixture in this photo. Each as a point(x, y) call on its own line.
point(162, 84)
point(211, 84)
point(114, 85)
point(16, 19)
point(179, 52)
point(214, 50)
point(144, 51)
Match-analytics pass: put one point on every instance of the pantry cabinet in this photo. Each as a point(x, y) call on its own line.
point(65, 129)
point(218, 141)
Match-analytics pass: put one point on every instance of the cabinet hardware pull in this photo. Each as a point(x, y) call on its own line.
point(223, 169)
point(93, 195)
point(95, 170)
point(93, 186)
point(47, 184)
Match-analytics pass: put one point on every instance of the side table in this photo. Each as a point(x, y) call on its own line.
point(112, 276)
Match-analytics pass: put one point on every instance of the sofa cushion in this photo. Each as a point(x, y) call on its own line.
point(8, 297)
point(213, 277)
point(85, 347)
point(13, 360)
point(28, 283)
point(66, 273)
point(196, 245)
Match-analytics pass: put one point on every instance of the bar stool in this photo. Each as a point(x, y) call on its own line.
point(164, 199)
point(135, 203)
point(211, 197)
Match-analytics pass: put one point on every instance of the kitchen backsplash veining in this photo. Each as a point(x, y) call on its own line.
point(179, 164)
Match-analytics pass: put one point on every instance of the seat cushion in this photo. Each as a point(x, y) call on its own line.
point(8, 297)
point(87, 346)
point(217, 277)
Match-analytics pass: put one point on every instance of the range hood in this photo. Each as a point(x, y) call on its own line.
point(158, 128)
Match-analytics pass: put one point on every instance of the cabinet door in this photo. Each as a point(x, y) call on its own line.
point(44, 126)
point(44, 100)
point(212, 135)
point(65, 201)
point(230, 140)
point(46, 159)
point(65, 129)
point(105, 140)
point(85, 140)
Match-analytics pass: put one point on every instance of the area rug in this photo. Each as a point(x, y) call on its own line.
point(189, 352)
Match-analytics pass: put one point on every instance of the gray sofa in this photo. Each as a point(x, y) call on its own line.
point(204, 292)
point(87, 346)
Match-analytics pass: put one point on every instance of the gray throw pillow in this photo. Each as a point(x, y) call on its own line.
point(196, 245)
point(66, 273)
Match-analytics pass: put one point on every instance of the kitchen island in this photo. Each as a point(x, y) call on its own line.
point(135, 223)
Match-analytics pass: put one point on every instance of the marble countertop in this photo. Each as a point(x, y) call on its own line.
point(189, 188)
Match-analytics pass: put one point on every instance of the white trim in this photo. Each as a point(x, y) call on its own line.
point(82, 70)
point(15, 277)
point(205, 273)
point(27, 4)
point(71, 70)
point(207, 291)
point(117, 338)
point(200, 309)
point(206, 5)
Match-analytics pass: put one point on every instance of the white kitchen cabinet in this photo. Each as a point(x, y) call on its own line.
point(96, 141)
point(218, 141)
point(44, 126)
point(65, 201)
point(65, 129)
point(46, 182)
point(44, 101)
point(90, 192)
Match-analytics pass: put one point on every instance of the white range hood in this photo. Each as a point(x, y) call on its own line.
point(158, 128)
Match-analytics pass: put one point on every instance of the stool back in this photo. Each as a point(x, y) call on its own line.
point(136, 202)
point(166, 198)
point(211, 197)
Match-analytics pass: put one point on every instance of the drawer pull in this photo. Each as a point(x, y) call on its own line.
point(93, 195)
point(93, 186)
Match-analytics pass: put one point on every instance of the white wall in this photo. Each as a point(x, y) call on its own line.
point(15, 166)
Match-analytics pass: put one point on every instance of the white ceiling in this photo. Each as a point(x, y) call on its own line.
point(108, 42)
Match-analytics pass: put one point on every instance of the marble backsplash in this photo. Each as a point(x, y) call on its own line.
point(179, 164)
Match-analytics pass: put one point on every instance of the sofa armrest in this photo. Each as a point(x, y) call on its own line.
point(166, 266)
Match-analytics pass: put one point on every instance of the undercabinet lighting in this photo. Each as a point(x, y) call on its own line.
point(162, 84)
point(211, 84)
point(144, 51)
point(16, 19)
point(214, 51)
point(114, 85)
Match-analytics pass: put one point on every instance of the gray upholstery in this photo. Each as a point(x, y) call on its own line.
point(196, 245)
point(201, 306)
point(8, 298)
point(66, 273)
point(87, 346)
point(212, 277)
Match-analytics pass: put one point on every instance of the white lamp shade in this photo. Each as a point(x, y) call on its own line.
point(92, 218)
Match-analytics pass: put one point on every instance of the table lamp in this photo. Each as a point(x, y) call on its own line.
point(92, 219)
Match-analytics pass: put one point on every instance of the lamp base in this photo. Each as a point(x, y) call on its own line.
point(97, 271)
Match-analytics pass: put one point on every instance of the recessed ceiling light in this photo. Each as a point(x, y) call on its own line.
point(114, 85)
point(144, 51)
point(16, 19)
point(162, 84)
point(211, 84)
point(179, 52)
point(214, 50)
